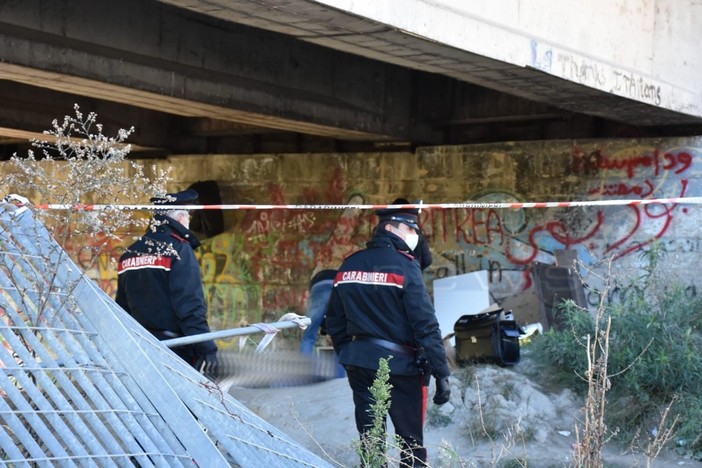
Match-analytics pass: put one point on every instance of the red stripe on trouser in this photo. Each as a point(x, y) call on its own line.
point(425, 397)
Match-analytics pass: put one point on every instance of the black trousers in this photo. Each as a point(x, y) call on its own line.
point(407, 410)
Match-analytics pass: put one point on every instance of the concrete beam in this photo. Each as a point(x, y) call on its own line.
point(28, 110)
point(645, 53)
point(157, 57)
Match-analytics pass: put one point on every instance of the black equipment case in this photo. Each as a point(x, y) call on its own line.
point(489, 336)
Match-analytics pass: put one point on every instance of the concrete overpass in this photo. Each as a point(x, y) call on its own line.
point(248, 76)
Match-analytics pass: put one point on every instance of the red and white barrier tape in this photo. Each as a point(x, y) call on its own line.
point(475, 205)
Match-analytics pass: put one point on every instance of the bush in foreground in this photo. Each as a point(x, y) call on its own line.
point(654, 359)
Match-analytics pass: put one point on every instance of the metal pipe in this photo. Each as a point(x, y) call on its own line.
point(217, 335)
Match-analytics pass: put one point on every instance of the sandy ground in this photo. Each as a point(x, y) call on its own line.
point(524, 423)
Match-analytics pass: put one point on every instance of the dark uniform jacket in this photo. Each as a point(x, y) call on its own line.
point(164, 292)
point(423, 253)
point(379, 293)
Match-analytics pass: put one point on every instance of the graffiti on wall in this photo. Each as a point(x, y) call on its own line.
point(97, 256)
point(507, 242)
point(599, 75)
point(261, 269)
point(261, 266)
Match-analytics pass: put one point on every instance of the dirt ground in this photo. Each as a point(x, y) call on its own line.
point(524, 423)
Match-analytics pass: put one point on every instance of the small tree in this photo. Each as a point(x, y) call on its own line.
point(77, 165)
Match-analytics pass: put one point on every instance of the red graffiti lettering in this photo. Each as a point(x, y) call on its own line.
point(650, 212)
point(337, 186)
point(480, 226)
point(669, 161)
point(684, 160)
point(620, 189)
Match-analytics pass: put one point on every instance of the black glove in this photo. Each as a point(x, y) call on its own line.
point(443, 390)
point(421, 361)
point(209, 366)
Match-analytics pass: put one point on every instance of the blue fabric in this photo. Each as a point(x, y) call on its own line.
point(316, 308)
point(319, 296)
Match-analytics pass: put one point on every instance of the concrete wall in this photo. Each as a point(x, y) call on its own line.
point(259, 268)
point(645, 50)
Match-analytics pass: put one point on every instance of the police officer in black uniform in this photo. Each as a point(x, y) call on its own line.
point(160, 283)
point(379, 308)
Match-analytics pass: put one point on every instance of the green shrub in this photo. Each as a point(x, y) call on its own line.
point(565, 350)
point(373, 446)
point(654, 356)
point(656, 352)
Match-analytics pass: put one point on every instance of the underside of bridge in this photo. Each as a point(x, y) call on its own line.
point(264, 76)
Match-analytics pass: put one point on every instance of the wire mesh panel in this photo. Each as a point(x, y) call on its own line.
point(82, 383)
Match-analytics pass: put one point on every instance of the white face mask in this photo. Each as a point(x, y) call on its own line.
point(412, 239)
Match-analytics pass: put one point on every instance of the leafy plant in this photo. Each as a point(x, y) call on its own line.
point(653, 355)
point(373, 447)
point(563, 350)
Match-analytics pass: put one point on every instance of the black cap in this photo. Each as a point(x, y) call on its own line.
point(186, 197)
point(408, 216)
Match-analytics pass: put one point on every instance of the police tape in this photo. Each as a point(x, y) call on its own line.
point(420, 205)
